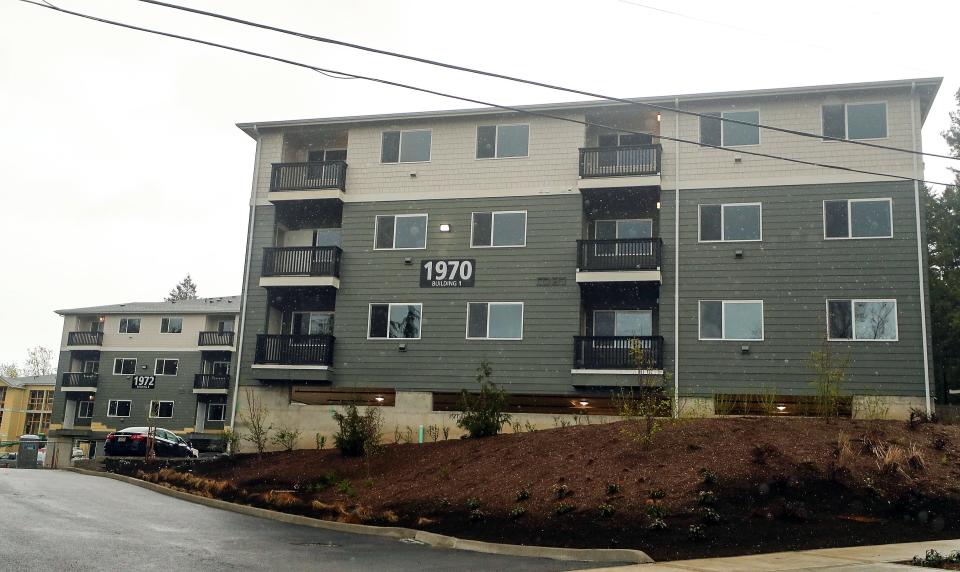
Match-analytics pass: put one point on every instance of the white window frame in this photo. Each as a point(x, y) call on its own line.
point(637, 311)
point(426, 230)
point(119, 359)
point(390, 306)
point(723, 138)
point(850, 219)
point(496, 141)
point(853, 325)
point(95, 370)
point(80, 405)
point(166, 321)
point(112, 405)
point(493, 227)
point(156, 363)
point(158, 402)
point(723, 321)
point(126, 319)
point(213, 366)
point(309, 314)
point(846, 120)
point(723, 217)
point(223, 417)
point(400, 146)
point(487, 336)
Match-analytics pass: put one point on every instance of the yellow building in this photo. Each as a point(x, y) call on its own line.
point(25, 405)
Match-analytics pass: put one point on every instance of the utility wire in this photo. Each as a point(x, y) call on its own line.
point(533, 82)
point(463, 98)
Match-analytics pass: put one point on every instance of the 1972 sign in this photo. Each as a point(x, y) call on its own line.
point(447, 273)
point(143, 381)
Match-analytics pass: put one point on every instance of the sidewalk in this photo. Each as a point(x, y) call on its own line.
point(851, 559)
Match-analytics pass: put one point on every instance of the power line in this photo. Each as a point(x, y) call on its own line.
point(463, 98)
point(536, 83)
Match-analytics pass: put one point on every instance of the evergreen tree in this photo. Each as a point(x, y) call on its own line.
point(185, 290)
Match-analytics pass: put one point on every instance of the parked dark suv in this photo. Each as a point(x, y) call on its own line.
point(132, 442)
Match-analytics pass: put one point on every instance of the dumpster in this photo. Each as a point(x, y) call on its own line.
point(27, 453)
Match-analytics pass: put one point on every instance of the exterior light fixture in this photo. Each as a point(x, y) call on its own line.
point(583, 403)
point(378, 399)
point(658, 117)
point(444, 228)
point(658, 205)
point(781, 408)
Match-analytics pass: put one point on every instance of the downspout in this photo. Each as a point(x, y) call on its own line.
point(676, 259)
point(920, 245)
point(246, 278)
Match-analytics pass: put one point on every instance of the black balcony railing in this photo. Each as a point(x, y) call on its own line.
point(302, 261)
point(211, 381)
point(623, 161)
point(85, 339)
point(215, 339)
point(294, 349)
point(79, 379)
point(313, 175)
point(617, 352)
point(619, 254)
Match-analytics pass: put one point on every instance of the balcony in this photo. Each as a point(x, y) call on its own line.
point(301, 266)
point(79, 381)
point(211, 383)
point(623, 166)
point(294, 351)
point(85, 339)
point(615, 354)
point(309, 180)
point(619, 260)
point(216, 339)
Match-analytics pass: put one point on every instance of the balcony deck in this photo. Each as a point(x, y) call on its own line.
point(211, 383)
point(623, 166)
point(307, 180)
point(85, 339)
point(619, 260)
point(301, 266)
point(79, 381)
point(294, 351)
point(617, 354)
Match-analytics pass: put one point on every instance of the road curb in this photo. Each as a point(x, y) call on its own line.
point(619, 555)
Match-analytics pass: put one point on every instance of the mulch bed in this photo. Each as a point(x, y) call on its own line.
point(778, 485)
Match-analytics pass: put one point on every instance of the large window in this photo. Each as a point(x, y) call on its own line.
point(401, 321)
point(731, 320)
point(129, 325)
point(862, 320)
point(216, 411)
point(37, 423)
point(171, 325)
point(858, 218)
point(498, 141)
point(166, 366)
point(401, 232)
point(855, 120)
point(731, 222)
point(622, 323)
point(118, 408)
point(85, 409)
point(161, 409)
point(499, 229)
point(311, 323)
point(124, 366)
point(40, 400)
point(495, 320)
point(405, 146)
point(715, 131)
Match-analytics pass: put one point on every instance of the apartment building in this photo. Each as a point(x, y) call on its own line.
point(389, 255)
point(139, 364)
point(25, 405)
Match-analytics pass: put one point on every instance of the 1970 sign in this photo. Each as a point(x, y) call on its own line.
point(447, 273)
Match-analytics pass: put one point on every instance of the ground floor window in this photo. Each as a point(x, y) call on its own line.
point(495, 320)
point(85, 409)
point(161, 409)
point(740, 320)
point(216, 411)
point(395, 321)
point(862, 320)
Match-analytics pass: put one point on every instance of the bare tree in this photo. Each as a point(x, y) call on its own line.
point(39, 362)
point(186, 289)
point(9, 369)
point(256, 419)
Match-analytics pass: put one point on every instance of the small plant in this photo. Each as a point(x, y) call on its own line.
point(433, 432)
point(939, 443)
point(359, 434)
point(696, 533)
point(473, 503)
point(933, 559)
point(516, 426)
point(231, 441)
point(709, 516)
point(708, 476)
point(724, 403)
point(830, 374)
point(368, 483)
point(845, 455)
point(706, 498)
point(444, 502)
point(321, 441)
point(483, 414)
point(656, 512)
point(445, 473)
point(919, 416)
point(613, 488)
point(407, 436)
point(529, 427)
point(517, 511)
point(397, 435)
point(523, 494)
point(345, 488)
point(446, 432)
point(255, 419)
point(657, 524)
point(606, 510)
point(642, 409)
point(767, 401)
point(286, 438)
point(562, 508)
point(476, 515)
point(657, 494)
point(915, 458)
point(890, 458)
point(560, 491)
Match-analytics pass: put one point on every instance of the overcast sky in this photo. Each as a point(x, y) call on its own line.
point(123, 171)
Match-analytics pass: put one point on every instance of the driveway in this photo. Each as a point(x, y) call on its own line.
point(55, 520)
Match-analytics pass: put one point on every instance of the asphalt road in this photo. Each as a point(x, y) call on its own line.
point(54, 520)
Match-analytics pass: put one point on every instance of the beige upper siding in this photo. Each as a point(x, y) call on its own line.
point(149, 336)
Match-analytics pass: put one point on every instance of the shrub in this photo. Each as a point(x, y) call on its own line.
point(523, 494)
point(642, 409)
point(477, 515)
point(656, 512)
point(939, 443)
point(710, 516)
point(482, 415)
point(919, 416)
point(933, 559)
point(560, 491)
point(473, 503)
point(286, 438)
point(517, 512)
point(345, 488)
point(708, 476)
point(657, 524)
point(231, 441)
point(433, 432)
point(613, 488)
point(830, 374)
point(658, 494)
point(321, 441)
point(706, 498)
point(915, 458)
point(358, 434)
point(562, 508)
point(606, 510)
point(696, 533)
point(890, 458)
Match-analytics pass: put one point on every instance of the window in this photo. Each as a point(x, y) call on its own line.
point(37, 423)
point(622, 323)
point(855, 120)
point(401, 232)
point(40, 400)
point(124, 366)
point(216, 411)
point(862, 320)
point(118, 408)
point(405, 146)
point(493, 229)
point(858, 218)
point(731, 320)
point(327, 171)
point(731, 222)
point(495, 320)
point(171, 325)
point(311, 323)
point(91, 366)
point(224, 326)
point(3, 396)
point(129, 325)
point(395, 321)
point(623, 228)
point(715, 131)
point(84, 409)
point(161, 409)
point(166, 366)
point(220, 368)
point(499, 141)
